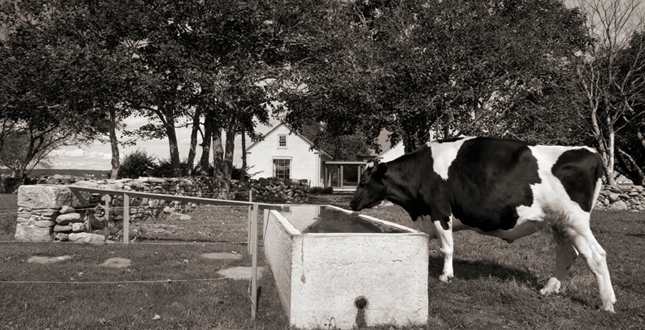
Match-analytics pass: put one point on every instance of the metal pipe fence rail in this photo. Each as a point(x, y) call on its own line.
point(252, 220)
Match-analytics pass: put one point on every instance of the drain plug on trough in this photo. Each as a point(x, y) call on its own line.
point(360, 302)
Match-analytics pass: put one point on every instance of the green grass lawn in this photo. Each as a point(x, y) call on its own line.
point(8, 216)
point(495, 283)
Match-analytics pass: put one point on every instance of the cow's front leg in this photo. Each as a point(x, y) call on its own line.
point(447, 248)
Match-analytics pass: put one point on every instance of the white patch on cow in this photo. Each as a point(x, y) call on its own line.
point(550, 199)
point(596, 193)
point(443, 154)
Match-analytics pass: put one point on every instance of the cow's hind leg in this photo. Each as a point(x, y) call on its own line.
point(583, 240)
point(566, 254)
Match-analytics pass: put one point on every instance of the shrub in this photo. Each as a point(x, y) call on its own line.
point(137, 164)
point(321, 190)
point(164, 170)
point(237, 173)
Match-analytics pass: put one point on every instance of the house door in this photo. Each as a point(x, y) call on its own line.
point(334, 176)
point(343, 176)
point(350, 175)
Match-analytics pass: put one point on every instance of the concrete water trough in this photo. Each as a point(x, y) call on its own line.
point(333, 269)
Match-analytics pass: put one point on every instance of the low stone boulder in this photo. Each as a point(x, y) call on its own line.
point(86, 238)
point(67, 218)
point(44, 196)
point(618, 206)
point(33, 233)
point(62, 228)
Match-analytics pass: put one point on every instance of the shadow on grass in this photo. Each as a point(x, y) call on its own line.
point(465, 269)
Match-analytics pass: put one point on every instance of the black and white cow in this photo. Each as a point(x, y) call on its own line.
point(502, 188)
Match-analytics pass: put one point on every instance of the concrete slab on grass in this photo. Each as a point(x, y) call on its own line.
point(117, 263)
point(240, 273)
point(47, 260)
point(221, 256)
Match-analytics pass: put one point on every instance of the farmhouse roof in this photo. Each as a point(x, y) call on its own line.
point(291, 132)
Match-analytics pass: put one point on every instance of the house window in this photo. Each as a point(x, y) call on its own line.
point(282, 168)
point(282, 141)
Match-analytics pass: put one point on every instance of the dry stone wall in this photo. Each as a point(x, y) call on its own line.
point(48, 212)
point(622, 198)
point(47, 209)
point(51, 211)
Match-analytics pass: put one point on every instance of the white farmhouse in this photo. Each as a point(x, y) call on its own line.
point(287, 155)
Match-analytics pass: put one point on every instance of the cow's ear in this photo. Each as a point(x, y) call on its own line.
point(382, 168)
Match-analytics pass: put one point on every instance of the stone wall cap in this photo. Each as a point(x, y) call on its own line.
point(152, 180)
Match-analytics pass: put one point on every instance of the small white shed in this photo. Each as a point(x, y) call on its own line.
point(393, 153)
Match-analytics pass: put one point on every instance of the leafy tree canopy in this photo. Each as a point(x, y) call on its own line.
point(488, 68)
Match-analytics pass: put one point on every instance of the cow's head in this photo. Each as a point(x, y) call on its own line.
point(371, 189)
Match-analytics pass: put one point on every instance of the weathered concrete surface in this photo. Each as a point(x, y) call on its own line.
point(240, 273)
point(320, 277)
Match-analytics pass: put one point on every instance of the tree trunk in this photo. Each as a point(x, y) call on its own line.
point(190, 161)
point(206, 143)
point(409, 144)
point(637, 175)
point(114, 145)
point(172, 142)
point(228, 153)
point(611, 154)
point(21, 175)
point(218, 153)
point(243, 169)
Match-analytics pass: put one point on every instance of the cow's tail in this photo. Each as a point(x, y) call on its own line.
point(599, 174)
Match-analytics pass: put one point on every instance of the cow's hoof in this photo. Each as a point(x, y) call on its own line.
point(551, 287)
point(609, 305)
point(608, 308)
point(445, 278)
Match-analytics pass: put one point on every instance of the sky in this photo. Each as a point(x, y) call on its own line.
point(97, 156)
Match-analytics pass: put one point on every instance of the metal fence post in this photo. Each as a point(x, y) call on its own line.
point(254, 262)
point(126, 218)
point(265, 222)
point(106, 231)
point(248, 225)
